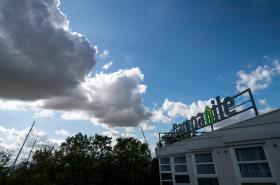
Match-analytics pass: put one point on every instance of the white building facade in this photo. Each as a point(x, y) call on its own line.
point(244, 153)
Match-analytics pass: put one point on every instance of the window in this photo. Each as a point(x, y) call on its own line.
point(165, 164)
point(165, 168)
point(180, 164)
point(252, 162)
point(181, 169)
point(167, 183)
point(165, 161)
point(204, 163)
point(207, 181)
point(166, 176)
point(182, 179)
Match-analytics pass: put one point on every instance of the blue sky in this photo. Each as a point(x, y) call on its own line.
point(186, 52)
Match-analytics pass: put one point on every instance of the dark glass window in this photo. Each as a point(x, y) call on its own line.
point(164, 161)
point(179, 160)
point(182, 179)
point(166, 176)
point(203, 158)
point(181, 168)
point(258, 168)
point(165, 167)
point(254, 170)
point(166, 182)
point(250, 154)
point(205, 169)
point(207, 181)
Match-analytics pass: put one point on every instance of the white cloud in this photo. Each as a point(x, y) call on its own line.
point(46, 67)
point(107, 65)
point(62, 132)
point(44, 113)
point(104, 54)
point(170, 110)
point(110, 99)
point(146, 126)
point(158, 116)
point(265, 106)
point(258, 79)
point(11, 139)
point(114, 99)
point(129, 129)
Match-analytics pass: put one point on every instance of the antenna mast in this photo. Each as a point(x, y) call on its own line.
point(23, 144)
point(32, 148)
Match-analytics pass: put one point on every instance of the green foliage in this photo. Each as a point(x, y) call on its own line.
point(83, 160)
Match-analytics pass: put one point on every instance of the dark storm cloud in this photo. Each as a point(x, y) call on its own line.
point(39, 56)
point(42, 59)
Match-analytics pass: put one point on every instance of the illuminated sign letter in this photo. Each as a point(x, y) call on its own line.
point(200, 121)
point(209, 117)
point(228, 103)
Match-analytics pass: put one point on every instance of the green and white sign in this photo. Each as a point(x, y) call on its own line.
point(217, 111)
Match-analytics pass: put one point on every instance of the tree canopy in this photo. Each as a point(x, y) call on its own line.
point(85, 160)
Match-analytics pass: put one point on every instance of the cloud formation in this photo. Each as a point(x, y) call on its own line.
point(45, 65)
point(11, 139)
point(40, 56)
point(170, 110)
point(113, 98)
point(107, 65)
point(258, 79)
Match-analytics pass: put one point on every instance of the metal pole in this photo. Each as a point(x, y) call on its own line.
point(253, 102)
point(32, 148)
point(23, 145)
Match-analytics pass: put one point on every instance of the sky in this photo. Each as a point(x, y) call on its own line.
point(110, 67)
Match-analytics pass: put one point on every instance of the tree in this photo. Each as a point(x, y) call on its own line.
point(88, 160)
point(5, 157)
point(131, 162)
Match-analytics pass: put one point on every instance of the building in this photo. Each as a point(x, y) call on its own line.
point(244, 153)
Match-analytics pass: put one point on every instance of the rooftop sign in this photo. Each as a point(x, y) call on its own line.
point(218, 111)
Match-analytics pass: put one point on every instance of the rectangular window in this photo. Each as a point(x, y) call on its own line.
point(180, 164)
point(250, 154)
point(252, 162)
point(180, 160)
point(167, 183)
point(182, 179)
point(205, 169)
point(164, 160)
point(181, 168)
point(204, 163)
point(165, 167)
point(166, 176)
point(165, 164)
point(203, 158)
point(207, 181)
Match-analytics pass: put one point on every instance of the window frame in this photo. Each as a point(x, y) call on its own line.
point(180, 173)
point(197, 175)
point(237, 170)
point(163, 172)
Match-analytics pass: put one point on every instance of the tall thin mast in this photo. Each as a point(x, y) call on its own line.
point(32, 148)
point(23, 144)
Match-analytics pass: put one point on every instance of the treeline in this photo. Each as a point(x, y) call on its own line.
point(83, 160)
